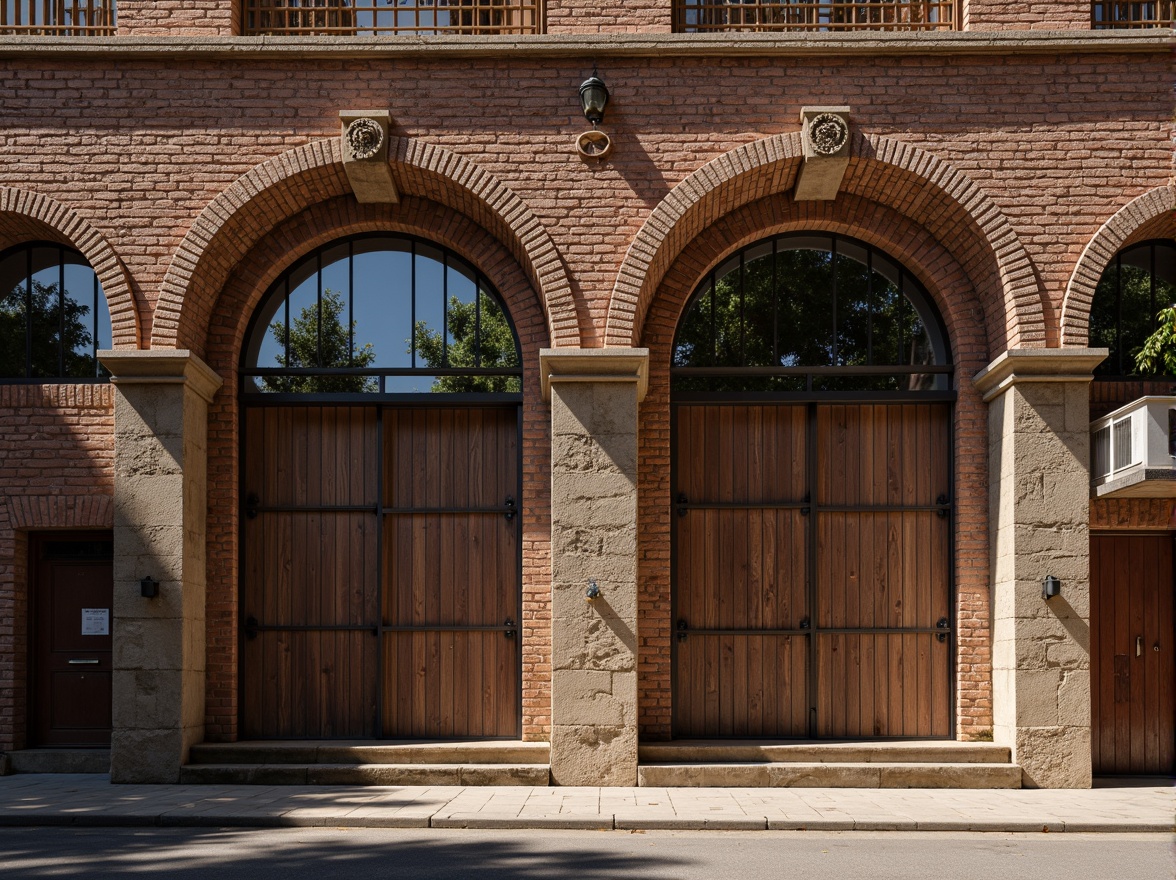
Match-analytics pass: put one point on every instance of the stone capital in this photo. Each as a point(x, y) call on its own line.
point(167, 367)
point(594, 365)
point(1019, 365)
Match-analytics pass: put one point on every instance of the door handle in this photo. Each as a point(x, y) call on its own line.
point(1139, 646)
point(84, 662)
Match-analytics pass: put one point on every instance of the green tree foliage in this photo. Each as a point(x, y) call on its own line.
point(493, 347)
point(50, 327)
point(1157, 355)
point(335, 351)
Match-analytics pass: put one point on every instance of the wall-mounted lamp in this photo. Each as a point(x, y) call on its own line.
point(593, 592)
point(149, 587)
point(1050, 587)
point(594, 144)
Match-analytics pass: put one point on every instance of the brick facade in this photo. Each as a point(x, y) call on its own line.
point(1002, 175)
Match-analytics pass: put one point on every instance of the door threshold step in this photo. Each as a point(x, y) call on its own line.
point(384, 752)
point(366, 774)
point(700, 751)
point(830, 775)
point(60, 761)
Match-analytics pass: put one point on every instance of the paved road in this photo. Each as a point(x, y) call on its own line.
point(328, 853)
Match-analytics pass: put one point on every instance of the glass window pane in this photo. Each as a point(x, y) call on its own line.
point(13, 280)
point(725, 303)
point(461, 320)
point(805, 283)
point(336, 307)
point(80, 323)
point(45, 315)
point(429, 332)
point(382, 302)
point(1104, 323)
point(695, 344)
point(854, 323)
point(759, 303)
point(303, 317)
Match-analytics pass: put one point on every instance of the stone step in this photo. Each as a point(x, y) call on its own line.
point(59, 761)
point(366, 774)
point(831, 775)
point(482, 752)
point(752, 751)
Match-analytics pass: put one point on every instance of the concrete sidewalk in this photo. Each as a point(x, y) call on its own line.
point(90, 800)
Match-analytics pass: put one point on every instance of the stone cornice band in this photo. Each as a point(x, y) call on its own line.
point(594, 365)
point(167, 367)
point(1037, 365)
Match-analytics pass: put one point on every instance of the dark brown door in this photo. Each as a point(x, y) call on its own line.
point(72, 580)
point(812, 570)
point(1133, 676)
point(381, 582)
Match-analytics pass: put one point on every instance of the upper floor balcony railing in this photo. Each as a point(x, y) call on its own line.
point(382, 17)
point(702, 16)
point(1155, 13)
point(58, 18)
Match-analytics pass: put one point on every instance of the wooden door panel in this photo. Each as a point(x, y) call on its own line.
point(1133, 707)
point(70, 667)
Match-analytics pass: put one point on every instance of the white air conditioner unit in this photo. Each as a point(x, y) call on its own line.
point(1133, 450)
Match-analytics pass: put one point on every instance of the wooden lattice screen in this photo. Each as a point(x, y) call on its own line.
point(1157, 13)
point(58, 18)
point(698, 16)
point(379, 17)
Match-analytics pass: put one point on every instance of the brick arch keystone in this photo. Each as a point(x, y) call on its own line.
point(1151, 215)
point(40, 216)
point(910, 180)
point(293, 181)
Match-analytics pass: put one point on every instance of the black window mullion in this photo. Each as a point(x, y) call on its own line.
point(1155, 323)
point(714, 327)
point(351, 303)
point(412, 326)
point(1119, 312)
point(319, 284)
point(29, 313)
point(775, 303)
point(61, 312)
point(286, 306)
point(870, 306)
point(94, 336)
point(478, 324)
point(833, 258)
point(444, 308)
point(742, 310)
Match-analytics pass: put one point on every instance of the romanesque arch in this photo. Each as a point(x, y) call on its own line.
point(1151, 215)
point(25, 215)
point(293, 181)
point(940, 198)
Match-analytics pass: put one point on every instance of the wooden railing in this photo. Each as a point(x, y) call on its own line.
point(58, 18)
point(1156, 13)
point(380, 17)
point(700, 16)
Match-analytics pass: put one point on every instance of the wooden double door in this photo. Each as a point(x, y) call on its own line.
point(812, 570)
point(1132, 665)
point(380, 590)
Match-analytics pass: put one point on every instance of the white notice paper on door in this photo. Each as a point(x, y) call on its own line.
point(95, 621)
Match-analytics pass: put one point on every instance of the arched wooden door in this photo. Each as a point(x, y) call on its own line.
point(812, 564)
point(381, 568)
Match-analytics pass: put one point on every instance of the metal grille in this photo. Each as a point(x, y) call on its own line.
point(385, 17)
point(1123, 444)
point(699, 16)
point(58, 18)
point(1159, 13)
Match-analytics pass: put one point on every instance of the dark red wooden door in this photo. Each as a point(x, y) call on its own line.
point(812, 572)
point(1132, 669)
point(380, 593)
point(72, 595)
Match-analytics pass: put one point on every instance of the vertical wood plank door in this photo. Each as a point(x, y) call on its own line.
point(381, 572)
point(451, 573)
point(812, 570)
point(72, 578)
point(309, 598)
point(1132, 665)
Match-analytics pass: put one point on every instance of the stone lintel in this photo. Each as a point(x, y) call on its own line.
point(161, 367)
point(1037, 365)
point(594, 365)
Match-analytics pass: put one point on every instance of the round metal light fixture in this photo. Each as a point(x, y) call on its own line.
point(594, 98)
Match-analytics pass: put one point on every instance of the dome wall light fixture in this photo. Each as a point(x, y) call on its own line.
point(594, 144)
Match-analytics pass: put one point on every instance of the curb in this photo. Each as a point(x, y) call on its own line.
point(574, 822)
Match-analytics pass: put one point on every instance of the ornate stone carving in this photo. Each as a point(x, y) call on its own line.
point(364, 138)
point(828, 134)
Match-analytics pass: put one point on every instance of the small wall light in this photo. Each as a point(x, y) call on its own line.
point(149, 587)
point(594, 98)
point(593, 591)
point(1050, 587)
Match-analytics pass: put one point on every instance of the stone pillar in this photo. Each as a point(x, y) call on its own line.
point(160, 509)
point(1039, 498)
point(594, 395)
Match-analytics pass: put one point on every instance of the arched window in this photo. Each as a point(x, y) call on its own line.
point(810, 313)
point(53, 314)
point(381, 314)
point(1139, 281)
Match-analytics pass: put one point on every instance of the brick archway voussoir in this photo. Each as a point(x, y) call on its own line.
point(1153, 214)
point(291, 182)
point(37, 215)
point(769, 167)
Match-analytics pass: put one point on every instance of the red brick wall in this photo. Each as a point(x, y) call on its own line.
point(602, 17)
point(56, 471)
point(176, 18)
point(1044, 15)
